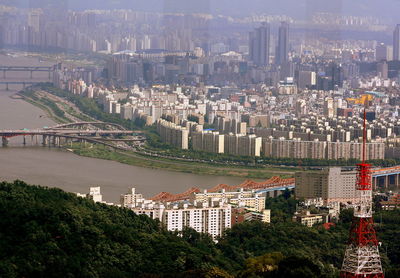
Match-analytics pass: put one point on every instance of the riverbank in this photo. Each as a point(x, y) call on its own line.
point(56, 108)
point(65, 111)
point(47, 110)
point(131, 158)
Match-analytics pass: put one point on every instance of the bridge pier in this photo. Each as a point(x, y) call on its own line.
point(5, 141)
point(31, 74)
point(24, 140)
point(7, 89)
point(56, 141)
point(68, 141)
point(62, 141)
point(44, 140)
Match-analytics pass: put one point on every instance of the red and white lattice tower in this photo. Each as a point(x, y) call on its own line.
point(362, 259)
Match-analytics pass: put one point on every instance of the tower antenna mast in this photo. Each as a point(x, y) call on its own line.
point(362, 259)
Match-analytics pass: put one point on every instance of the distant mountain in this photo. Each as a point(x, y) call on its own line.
point(386, 9)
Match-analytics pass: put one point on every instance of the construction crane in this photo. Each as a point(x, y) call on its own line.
point(362, 258)
point(364, 99)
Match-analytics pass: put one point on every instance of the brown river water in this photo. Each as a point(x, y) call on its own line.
point(58, 168)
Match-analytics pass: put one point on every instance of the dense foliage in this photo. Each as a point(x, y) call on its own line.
point(47, 233)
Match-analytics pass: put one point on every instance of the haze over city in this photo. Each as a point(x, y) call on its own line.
point(215, 138)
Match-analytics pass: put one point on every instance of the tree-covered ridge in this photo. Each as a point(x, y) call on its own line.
point(49, 233)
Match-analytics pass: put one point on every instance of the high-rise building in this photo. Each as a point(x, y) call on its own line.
point(396, 43)
point(331, 185)
point(213, 220)
point(306, 79)
point(383, 69)
point(34, 20)
point(329, 107)
point(383, 52)
point(282, 50)
point(259, 45)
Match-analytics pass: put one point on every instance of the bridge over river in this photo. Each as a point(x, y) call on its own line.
point(81, 131)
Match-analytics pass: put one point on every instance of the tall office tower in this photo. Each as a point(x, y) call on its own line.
point(259, 43)
point(282, 49)
point(396, 43)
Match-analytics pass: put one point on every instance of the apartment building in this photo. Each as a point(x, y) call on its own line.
point(213, 220)
point(248, 199)
point(296, 148)
point(208, 141)
point(173, 134)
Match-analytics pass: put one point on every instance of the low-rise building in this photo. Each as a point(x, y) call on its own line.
point(95, 194)
point(391, 204)
point(240, 215)
point(309, 219)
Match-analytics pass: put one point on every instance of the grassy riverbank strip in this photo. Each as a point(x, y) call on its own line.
point(51, 111)
point(131, 158)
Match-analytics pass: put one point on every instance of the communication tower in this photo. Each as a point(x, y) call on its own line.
point(362, 259)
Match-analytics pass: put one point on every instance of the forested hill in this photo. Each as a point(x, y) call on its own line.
point(49, 233)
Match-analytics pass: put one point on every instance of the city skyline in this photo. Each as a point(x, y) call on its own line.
point(216, 138)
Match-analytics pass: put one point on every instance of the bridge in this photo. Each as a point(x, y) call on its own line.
point(50, 132)
point(23, 83)
point(54, 134)
point(32, 69)
point(386, 177)
point(90, 124)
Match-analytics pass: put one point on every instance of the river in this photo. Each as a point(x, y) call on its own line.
point(54, 167)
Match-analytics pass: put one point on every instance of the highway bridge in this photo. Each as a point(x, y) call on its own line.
point(82, 131)
point(89, 125)
point(386, 177)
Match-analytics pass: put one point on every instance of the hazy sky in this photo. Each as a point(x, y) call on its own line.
point(386, 9)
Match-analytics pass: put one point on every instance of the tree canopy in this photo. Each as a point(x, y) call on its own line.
point(46, 232)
